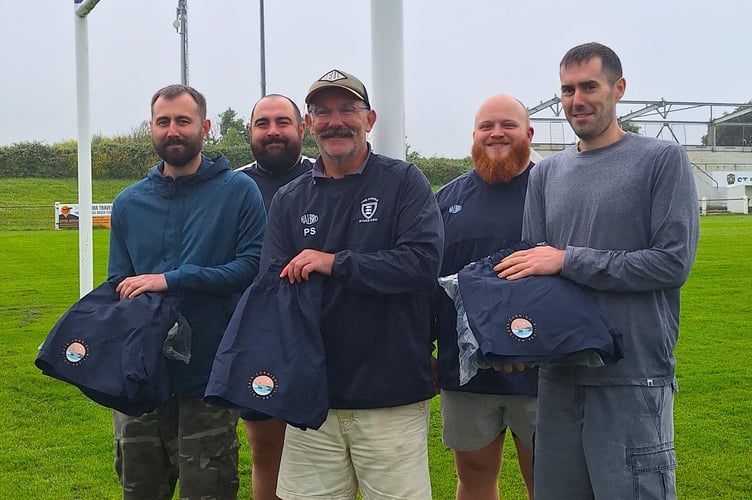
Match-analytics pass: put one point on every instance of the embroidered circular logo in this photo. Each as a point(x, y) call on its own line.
point(262, 385)
point(76, 352)
point(521, 327)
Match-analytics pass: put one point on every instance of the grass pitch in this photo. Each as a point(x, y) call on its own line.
point(56, 444)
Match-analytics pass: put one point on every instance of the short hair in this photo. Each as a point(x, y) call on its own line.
point(295, 109)
point(610, 62)
point(173, 91)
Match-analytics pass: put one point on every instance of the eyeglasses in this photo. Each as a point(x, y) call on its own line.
point(344, 111)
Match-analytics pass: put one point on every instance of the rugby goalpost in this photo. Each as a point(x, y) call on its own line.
point(82, 8)
point(387, 65)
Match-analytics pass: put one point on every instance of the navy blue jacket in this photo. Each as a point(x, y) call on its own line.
point(269, 183)
point(479, 219)
point(534, 319)
point(385, 230)
point(271, 359)
point(111, 349)
point(204, 232)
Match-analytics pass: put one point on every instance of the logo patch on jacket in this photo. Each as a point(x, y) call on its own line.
point(368, 209)
point(521, 328)
point(263, 385)
point(455, 209)
point(309, 219)
point(76, 352)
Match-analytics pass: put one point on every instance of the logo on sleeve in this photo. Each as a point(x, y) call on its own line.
point(368, 208)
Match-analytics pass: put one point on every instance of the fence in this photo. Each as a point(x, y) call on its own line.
point(27, 217)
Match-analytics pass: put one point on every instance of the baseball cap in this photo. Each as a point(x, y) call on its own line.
point(339, 79)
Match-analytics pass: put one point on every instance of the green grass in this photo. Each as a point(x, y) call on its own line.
point(56, 444)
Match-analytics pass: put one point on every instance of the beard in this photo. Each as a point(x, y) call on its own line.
point(177, 151)
point(501, 171)
point(276, 161)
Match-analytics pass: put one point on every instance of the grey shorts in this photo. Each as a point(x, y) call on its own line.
point(472, 421)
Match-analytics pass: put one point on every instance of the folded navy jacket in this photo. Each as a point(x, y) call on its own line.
point(537, 319)
point(271, 358)
point(111, 348)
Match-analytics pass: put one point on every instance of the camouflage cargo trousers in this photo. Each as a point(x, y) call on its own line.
point(184, 440)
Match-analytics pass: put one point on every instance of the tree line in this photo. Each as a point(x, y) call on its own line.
point(130, 155)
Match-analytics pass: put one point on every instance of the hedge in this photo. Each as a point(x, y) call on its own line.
point(131, 160)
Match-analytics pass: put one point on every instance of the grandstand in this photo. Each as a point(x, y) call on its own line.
point(722, 161)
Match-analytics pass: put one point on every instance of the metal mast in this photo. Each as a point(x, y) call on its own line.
point(181, 26)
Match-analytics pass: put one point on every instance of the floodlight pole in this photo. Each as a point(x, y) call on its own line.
point(387, 63)
point(181, 25)
point(262, 48)
point(85, 231)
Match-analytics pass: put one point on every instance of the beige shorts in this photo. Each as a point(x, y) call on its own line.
point(383, 452)
point(472, 421)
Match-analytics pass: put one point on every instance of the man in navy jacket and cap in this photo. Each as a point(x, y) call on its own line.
point(371, 225)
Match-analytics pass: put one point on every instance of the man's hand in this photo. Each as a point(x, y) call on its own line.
point(306, 262)
point(133, 286)
point(543, 260)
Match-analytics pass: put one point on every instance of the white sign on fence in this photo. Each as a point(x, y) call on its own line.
point(66, 215)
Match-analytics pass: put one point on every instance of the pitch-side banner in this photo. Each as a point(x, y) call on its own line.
point(66, 215)
point(731, 178)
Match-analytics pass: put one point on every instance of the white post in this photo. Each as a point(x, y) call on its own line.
point(745, 207)
point(388, 67)
point(85, 230)
point(704, 205)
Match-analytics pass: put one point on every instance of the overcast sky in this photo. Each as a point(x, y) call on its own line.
point(457, 53)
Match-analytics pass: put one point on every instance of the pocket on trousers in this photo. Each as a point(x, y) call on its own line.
point(653, 471)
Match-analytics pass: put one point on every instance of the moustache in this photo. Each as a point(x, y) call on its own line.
point(273, 140)
point(336, 132)
point(175, 141)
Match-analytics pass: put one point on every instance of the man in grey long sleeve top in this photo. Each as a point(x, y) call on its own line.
point(618, 214)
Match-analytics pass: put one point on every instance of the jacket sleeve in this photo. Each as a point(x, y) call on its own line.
point(119, 265)
point(414, 261)
point(239, 271)
point(673, 237)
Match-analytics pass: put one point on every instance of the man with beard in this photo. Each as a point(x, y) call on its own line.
point(618, 213)
point(370, 225)
point(192, 228)
point(482, 213)
point(276, 131)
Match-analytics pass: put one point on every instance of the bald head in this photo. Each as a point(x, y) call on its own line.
point(503, 105)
